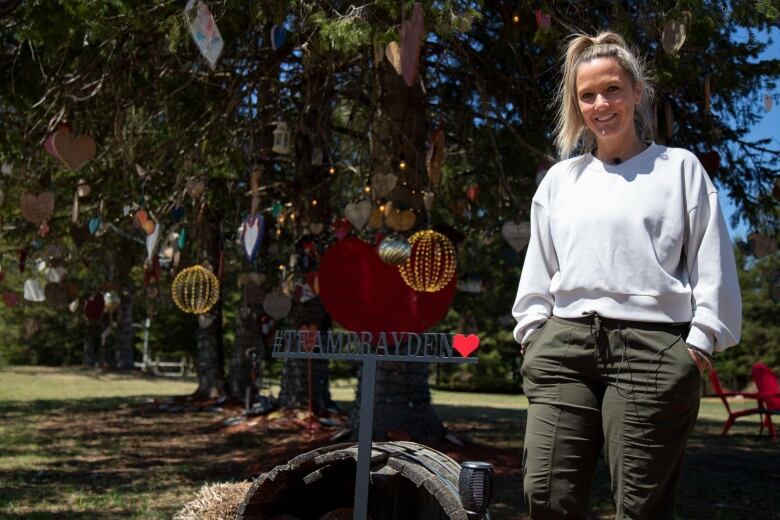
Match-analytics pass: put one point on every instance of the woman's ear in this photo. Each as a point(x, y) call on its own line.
point(638, 92)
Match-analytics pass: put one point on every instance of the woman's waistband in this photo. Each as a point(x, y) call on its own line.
point(594, 319)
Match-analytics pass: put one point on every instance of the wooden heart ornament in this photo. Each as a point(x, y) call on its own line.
point(252, 236)
point(93, 308)
point(195, 188)
point(517, 235)
point(400, 220)
point(675, 32)
point(74, 152)
point(358, 212)
point(465, 345)
point(412, 32)
point(277, 305)
point(383, 183)
point(37, 208)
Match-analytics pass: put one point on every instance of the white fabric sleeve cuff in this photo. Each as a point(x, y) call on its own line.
point(700, 340)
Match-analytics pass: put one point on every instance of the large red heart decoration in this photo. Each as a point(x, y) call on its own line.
point(362, 293)
point(93, 308)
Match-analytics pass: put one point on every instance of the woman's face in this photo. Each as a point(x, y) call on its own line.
point(607, 100)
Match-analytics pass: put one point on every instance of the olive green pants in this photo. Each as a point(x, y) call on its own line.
point(632, 389)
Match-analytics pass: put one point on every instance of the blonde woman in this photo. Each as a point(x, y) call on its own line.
point(629, 285)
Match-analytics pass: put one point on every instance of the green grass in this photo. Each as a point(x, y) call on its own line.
point(78, 444)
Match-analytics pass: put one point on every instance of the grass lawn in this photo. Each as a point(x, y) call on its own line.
point(79, 444)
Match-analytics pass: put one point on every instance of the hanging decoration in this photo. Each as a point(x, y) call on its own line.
point(394, 249)
point(152, 240)
point(204, 31)
point(341, 228)
point(7, 168)
point(10, 299)
point(768, 102)
point(432, 263)
point(427, 197)
point(762, 245)
point(74, 152)
point(398, 220)
point(195, 290)
point(54, 274)
point(383, 183)
point(412, 32)
point(281, 139)
point(94, 225)
point(205, 320)
point(358, 212)
point(377, 219)
point(37, 208)
point(278, 36)
point(472, 192)
point(362, 293)
point(435, 156)
point(79, 233)
point(195, 187)
point(277, 305)
point(22, 259)
point(56, 295)
point(181, 241)
point(112, 301)
point(33, 291)
point(83, 189)
point(252, 232)
point(93, 307)
point(393, 54)
point(516, 234)
point(674, 33)
point(543, 20)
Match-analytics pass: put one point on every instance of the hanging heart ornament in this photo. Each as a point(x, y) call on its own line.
point(358, 212)
point(517, 235)
point(383, 183)
point(277, 305)
point(252, 236)
point(37, 208)
point(674, 33)
point(74, 152)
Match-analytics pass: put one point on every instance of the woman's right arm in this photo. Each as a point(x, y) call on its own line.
point(534, 302)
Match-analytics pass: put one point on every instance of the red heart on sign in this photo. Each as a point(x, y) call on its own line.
point(465, 345)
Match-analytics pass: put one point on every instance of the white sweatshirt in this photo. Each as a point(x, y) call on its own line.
point(644, 240)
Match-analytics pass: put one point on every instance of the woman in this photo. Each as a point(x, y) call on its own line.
point(629, 285)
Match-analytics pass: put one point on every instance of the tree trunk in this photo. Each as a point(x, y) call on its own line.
point(247, 339)
point(91, 339)
point(402, 404)
point(211, 352)
point(125, 336)
point(295, 373)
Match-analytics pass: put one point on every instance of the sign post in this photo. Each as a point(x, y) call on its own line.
point(363, 347)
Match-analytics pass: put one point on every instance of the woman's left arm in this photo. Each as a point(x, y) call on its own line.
point(716, 300)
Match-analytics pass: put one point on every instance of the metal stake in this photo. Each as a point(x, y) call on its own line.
point(365, 431)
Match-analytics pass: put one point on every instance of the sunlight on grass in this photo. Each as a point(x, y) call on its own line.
point(47, 383)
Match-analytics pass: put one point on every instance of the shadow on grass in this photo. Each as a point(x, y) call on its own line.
point(128, 458)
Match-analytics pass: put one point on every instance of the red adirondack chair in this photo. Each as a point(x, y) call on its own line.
point(724, 396)
point(768, 395)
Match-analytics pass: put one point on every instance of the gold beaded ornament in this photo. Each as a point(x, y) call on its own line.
point(432, 263)
point(195, 290)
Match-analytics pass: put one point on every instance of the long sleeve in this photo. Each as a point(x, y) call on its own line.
point(717, 304)
point(534, 302)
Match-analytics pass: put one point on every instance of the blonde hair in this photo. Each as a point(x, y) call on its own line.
point(570, 128)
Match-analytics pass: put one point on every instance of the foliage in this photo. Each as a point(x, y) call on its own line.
point(128, 74)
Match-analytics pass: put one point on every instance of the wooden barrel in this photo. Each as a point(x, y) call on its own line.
point(408, 481)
